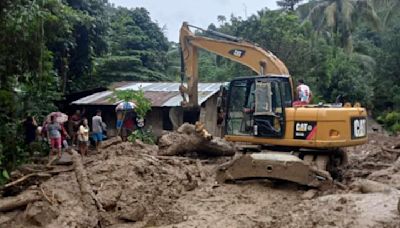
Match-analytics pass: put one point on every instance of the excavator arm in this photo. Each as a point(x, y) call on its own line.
point(259, 60)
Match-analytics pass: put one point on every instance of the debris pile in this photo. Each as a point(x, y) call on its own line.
point(134, 185)
point(124, 184)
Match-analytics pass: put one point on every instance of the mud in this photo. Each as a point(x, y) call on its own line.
point(137, 188)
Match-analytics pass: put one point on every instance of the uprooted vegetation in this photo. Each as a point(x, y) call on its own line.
point(130, 184)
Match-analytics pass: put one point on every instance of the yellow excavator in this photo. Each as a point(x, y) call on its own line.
point(295, 143)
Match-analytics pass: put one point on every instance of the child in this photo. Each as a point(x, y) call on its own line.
point(83, 137)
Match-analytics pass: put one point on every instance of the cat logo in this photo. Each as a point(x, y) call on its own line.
point(305, 130)
point(358, 128)
point(303, 127)
point(237, 53)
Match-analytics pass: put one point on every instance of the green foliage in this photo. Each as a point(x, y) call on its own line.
point(137, 49)
point(28, 79)
point(143, 105)
point(337, 19)
point(50, 48)
point(391, 121)
point(144, 135)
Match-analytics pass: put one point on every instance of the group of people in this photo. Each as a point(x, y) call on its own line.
point(57, 136)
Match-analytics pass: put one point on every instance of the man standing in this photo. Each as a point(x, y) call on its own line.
point(97, 126)
point(73, 125)
point(30, 127)
point(303, 92)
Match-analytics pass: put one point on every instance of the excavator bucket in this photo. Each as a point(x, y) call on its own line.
point(273, 165)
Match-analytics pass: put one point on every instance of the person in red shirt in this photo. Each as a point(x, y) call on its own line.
point(128, 126)
point(74, 123)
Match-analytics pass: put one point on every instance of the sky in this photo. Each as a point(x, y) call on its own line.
point(201, 13)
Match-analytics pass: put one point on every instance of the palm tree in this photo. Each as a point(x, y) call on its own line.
point(338, 16)
point(387, 10)
point(221, 19)
point(288, 4)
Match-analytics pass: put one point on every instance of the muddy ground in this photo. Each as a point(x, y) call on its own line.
point(137, 188)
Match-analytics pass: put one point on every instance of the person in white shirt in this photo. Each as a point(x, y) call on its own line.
point(304, 93)
point(83, 137)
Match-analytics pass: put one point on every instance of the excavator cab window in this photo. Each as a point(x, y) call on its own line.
point(256, 106)
point(268, 116)
point(286, 93)
point(241, 102)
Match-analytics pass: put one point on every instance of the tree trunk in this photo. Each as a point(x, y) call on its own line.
point(88, 197)
point(11, 203)
point(190, 138)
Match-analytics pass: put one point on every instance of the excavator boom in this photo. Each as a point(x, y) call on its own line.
point(259, 60)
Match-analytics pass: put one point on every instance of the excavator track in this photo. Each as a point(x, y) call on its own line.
point(309, 168)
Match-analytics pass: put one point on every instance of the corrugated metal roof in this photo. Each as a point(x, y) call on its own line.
point(161, 94)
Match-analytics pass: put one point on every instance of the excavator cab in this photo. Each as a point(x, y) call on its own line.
point(256, 106)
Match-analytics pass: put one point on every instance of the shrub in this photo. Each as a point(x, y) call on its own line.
point(144, 135)
point(391, 121)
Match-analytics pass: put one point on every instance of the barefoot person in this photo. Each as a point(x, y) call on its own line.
point(83, 137)
point(54, 136)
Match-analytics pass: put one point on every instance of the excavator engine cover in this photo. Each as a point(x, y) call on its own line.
point(273, 165)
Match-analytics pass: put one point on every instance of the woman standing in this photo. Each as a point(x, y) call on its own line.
point(83, 137)
point(54, 136)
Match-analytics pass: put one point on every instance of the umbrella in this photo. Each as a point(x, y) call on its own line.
point(60, 117)
point(125, 106)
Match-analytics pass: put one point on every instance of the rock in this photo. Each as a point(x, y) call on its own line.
point(40, 213)
point(342, 200)
point(310, 194)
point(66, 159)
point(338, 208)
point(369, 186)
point(134, 215)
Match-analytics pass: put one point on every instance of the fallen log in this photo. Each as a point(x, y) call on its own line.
point(26, 177)
point(387, 149)
point(369, 186)
point(44, 174)
point(88, 197)
point(21, 200)
point(189, 138)
point(110, 142)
